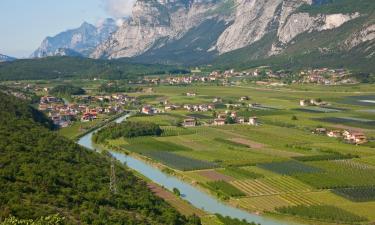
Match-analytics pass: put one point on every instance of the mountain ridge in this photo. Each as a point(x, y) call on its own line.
point(5, 58)
point(195, 32)
point(82, 40)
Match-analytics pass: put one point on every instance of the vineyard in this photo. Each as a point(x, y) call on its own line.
point(148, 144)
point(289, 167)
point(335, 156)
point(358, 194)
point(270, 202)
point(180, 162)
point(240, 173)
point(271, 186)
point(225, 189)
point(339, 174)
point(322, 212)
point(169, 131)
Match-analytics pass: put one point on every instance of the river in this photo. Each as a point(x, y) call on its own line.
point(190, 193)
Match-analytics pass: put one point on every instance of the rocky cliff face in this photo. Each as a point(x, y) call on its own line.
point(153, 21)
point(157, 24)
point(194, 31)
point(82, 40)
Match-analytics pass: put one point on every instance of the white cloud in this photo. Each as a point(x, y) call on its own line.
point(119, 8)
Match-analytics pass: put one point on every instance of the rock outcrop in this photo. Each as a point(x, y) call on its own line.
point(82, 40)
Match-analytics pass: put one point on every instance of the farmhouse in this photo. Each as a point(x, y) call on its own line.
point(191, 94)
point(304, 102)
point(253, 121)
point(240, 120)
point(148, 110)
point(355, 137)
point(219, 122)
point(334, 133)
point(320, 130)
point(217, 100)
point(190, 122)
point(244, 98)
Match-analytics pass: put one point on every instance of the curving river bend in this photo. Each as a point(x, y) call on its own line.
point(191, 194)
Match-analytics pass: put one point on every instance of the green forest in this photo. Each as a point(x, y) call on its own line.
point(66, 90)
point(43, 175)
point(127, 129)
point(71, 68)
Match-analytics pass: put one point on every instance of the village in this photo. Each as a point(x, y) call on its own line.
point(85, 108)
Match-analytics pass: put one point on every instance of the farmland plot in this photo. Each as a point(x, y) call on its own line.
point(339, 175)
point(271, 186)
point(289, 167)
point(180, 162)
point(358, 194)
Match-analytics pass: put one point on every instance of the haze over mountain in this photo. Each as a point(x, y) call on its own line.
point(75, 42)
point(196, 32)
point(5, 58)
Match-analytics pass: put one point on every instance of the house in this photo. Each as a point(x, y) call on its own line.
point(217, 100)
point(219, 122)
point(240, 120)
point(253, 121)
point(191, 94)
point(233, 115)
point(355, 137)
point(147, 110)
point(334, 133)
point(244, 98)
point(211, 107)
point(320, 130)
point(304, 102)
point(190, 122)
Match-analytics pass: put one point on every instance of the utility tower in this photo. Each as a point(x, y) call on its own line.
point(112, 184)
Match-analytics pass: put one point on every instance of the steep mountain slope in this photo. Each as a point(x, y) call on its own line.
point(155, 24)
point(44, 174)
point(5, 58)
point(193, 32)
point(82, 40)
point(352, 44)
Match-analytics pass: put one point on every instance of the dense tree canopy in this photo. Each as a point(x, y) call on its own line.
point(127, 129)
point(66, 90)
point(43, 174)
point(73, 67)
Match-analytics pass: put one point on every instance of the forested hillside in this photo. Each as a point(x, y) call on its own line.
point(43, 174)
point(74, 67)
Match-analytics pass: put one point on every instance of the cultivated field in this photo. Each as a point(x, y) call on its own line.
point(278, 167)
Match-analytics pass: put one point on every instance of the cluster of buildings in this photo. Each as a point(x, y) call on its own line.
point(63, 114)
point(199, 108)
point(311, 102)
point(325, 76)
point(352, 137)
point(222, 119)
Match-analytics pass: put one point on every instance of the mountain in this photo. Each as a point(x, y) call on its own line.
point(197, 31)
point(5, 58)
point(80, 41)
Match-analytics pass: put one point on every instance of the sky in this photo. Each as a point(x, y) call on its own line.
point(25, 23)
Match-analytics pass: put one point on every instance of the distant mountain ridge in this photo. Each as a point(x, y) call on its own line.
point(193, 32)
point(5, 58)
point(81, 41)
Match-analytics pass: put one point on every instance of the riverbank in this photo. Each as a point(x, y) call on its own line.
point(196, 197)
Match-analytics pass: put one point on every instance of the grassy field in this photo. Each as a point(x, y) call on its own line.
point(279, 167)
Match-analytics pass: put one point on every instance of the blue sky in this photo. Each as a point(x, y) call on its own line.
point(25, 23)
